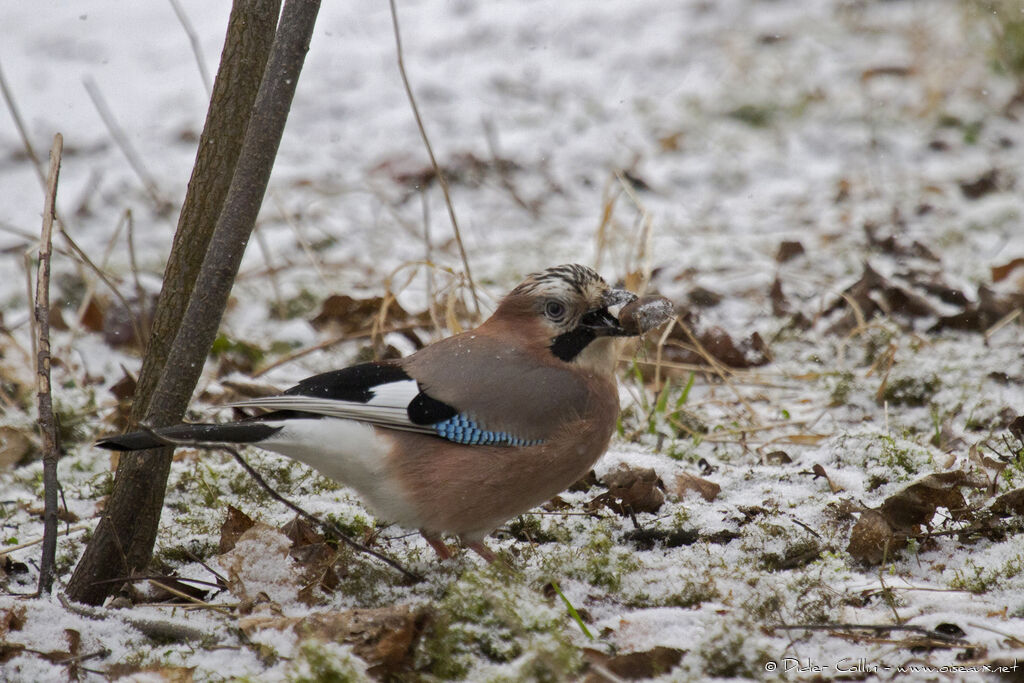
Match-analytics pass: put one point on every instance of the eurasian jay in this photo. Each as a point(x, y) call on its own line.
point(467, 432)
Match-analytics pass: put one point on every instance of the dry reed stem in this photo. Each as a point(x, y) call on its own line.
point(12, 107)
point(197, 49)
point(37, 165)
point(433, 161)
point(643, 255)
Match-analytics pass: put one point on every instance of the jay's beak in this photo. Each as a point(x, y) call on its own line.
point(601, 322)
point(617, 297)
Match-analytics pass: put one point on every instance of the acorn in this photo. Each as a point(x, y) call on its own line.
point(646, 313)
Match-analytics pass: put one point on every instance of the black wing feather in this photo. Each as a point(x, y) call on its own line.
point(353, 383)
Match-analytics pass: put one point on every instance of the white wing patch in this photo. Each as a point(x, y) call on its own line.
point(388, 406)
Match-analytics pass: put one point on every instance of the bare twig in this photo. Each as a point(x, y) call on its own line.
point(47, 424)
point(433, 161)
point(326, 525)
point(197, 49)
point(134, 160)
point(27, 261)
point(875, 628)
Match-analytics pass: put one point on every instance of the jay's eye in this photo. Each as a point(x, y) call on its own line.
point(554, 310)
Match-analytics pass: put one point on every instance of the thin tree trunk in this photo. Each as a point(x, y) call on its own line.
point(125, 535)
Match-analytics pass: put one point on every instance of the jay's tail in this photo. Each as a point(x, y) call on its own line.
point(239, 432)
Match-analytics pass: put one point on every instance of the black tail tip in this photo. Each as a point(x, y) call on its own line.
point(135, 441)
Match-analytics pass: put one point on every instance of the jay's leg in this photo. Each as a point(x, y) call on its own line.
point(482, 550)
point(435, 542)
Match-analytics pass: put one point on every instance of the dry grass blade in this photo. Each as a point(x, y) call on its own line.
point(47, 422)
point(433, 161)
point(36, 541)
point(134, 160)
point(185, 596)
point(20, 125)
point(1001, 323)
point(718, 370)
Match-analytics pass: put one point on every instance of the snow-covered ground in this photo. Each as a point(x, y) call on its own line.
point(688, 137)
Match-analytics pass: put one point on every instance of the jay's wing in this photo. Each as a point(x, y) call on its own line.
point(382, 394)
point(510, 388)
point(378, 393)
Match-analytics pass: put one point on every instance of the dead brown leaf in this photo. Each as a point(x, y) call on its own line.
point(11, 619)
point(92, 317)
point(634, 665)
point(880, 531)
point(780, 305)
point(986, 183)
point(1000, 273)
point(1010, 503)
point(164, 674)
point(631, 490)
point(348, 315)
point(301, 532)
point(875, 294)
point(872, 539)
point(916, 504)
point(788, 250)
point(686, 482)
point(819, 471)
point(384, 637)
point(235, 524)
point(14, 446)
point(259, 568)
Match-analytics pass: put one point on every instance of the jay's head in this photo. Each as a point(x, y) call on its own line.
point(568, 307)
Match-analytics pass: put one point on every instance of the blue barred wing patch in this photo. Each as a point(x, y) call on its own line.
point(462, 429)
